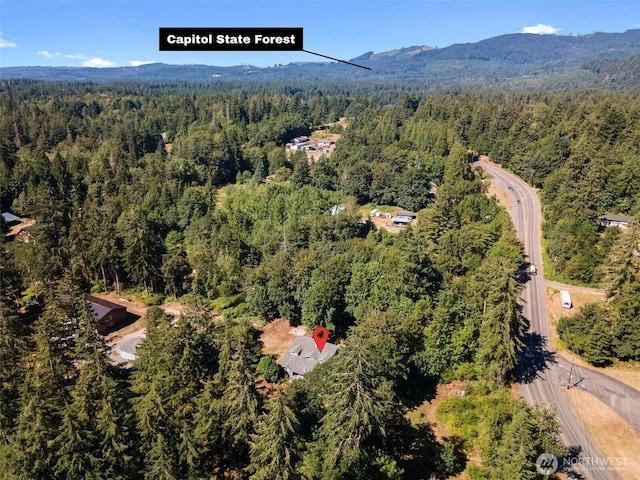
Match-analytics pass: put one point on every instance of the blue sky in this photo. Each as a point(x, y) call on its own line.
point(117, 33)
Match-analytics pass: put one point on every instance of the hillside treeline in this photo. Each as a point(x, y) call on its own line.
point(191, 194)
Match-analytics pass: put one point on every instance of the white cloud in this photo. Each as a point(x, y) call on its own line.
point(48, 54)
point(540, 29)
point(87, 62)
point(98, 62)
point(6, 43)
point(137, 63)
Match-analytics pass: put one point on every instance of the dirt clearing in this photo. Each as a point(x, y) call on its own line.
point(617, 441)
point(385, 224)
point(278, 336)
point(579, 297)
point(24, 223)
point(503, 198)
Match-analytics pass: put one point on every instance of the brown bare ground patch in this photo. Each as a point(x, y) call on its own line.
point(278, 336)
point(325, 135)
point(26, 222)
point(579, 297)
point(315, 155)
point(611, 433)
point(427, 413)
point(385, 224)
point(501, 195)
point(220, 194)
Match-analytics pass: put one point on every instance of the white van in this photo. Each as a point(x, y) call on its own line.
point(565, 299)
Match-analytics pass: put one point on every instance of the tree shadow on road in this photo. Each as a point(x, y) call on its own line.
point(523, 275)
point(534, 359)
point(566, 464)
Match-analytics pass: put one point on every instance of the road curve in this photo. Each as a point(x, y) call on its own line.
point(549, 384)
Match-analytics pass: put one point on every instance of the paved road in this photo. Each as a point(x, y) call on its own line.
point(622, 398)
point(123, 349)
point(544, 381)
point(593, 291)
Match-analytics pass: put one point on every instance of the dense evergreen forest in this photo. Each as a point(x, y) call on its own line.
point(189, 193)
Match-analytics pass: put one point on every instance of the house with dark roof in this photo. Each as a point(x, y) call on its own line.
point(109, 314)
point(611, 220)
point(304, 355)
point(406, 214)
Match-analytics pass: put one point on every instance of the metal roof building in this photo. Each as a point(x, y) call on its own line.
point(304, 355)
point(612, 220)
point(9, 218)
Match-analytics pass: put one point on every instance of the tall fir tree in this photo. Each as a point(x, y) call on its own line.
point(272, 446)
point(240, 401)
point(96, 435)
point(502, 326)
point(46, 389)
point(360, 406)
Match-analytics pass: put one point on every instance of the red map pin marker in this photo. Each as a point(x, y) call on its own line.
point(320, 335)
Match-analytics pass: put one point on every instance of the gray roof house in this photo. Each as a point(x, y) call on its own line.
point(336, 209)
point(401, 221)
point(611, 220)
point(304, 355)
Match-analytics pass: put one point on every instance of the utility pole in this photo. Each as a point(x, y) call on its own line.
point(570, 373)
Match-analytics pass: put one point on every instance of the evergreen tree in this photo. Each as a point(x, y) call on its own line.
point(360, 406)
point(95, 437)
point(45, 392)
point(502, 327)
point(141, 252)
point(301, 171)
point(240, 400)
point(12, 370)
point(152, 384)
point(272, 446)
point(103, 251)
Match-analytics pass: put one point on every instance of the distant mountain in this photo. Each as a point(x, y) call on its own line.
point(616, 73)
point(509, 61)
point(148, 72)
point(393, 54)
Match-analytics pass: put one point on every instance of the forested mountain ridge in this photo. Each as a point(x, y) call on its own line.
point(522, 61)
